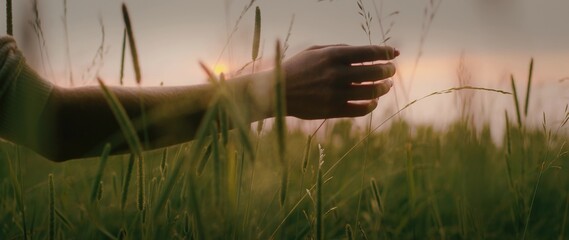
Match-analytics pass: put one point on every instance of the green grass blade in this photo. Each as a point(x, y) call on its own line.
point(9, 25)
point(163, 163)
point(515, 95)
point(280, 107)
point(64, 220)
point(257, 34)
point(132, 44)
point(140, 184)
point(411, 175)
point(377, 195)
point(530, 77)
point(284, 185)
point(100, 171)
point(306, 157)
point(280, 123)
point(123, 120)
point(319, 207)
point(198, 144)
point(200, 231)
point(123, 53)
point(126, 182)
point(204, 159)
point(131, 138)
point(51, 201)
point(349, 232)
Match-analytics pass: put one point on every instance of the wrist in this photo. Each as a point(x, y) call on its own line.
point(259, 94)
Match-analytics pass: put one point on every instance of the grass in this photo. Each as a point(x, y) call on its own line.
point(444, 173)
point(429, 183)
point(9, 23)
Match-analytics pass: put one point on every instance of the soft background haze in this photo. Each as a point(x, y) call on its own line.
point(496, 37)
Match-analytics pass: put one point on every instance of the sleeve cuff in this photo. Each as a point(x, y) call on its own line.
point(23, 103)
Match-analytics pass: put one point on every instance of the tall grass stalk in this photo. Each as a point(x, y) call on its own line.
point(564, 222)
point(362, 231)
point(18, 186)
point(205, 158)
point(377, 196)
point(411, 175)
point(9, 25)
point(164, 163)
point(198, 144)
point(343, 157)
point(349, 232)
point(509, 153)
point(38, 29)
point(67, 44)
point(217, 166)
point(239, 180)
point(132, 44)
point(255, 54)
point(131, 138)
point(530, 77)
point(285, 44)
point(102, 163)
point(516, 101)
point(541, 169)
point(429, 14)
point(200, 231)
point(366, 27)
point(319, 215)
point(366, 15)
point(123, 53)
point(235, 27)
point(141, 185)
point(251, 192)
point(223, 119)
point(126, 180)
point(256, 36)
point(51, 202)
point(280, 113)
point(446, 91)
point(306, 155)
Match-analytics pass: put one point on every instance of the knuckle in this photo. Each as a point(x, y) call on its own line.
point(313, 47)
point(330, 74)
point(331, 54)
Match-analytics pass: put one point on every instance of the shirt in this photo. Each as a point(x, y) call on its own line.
point(23, 94)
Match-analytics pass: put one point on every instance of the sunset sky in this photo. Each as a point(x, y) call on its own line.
point(497, 37)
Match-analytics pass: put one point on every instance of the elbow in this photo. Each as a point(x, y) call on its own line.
point(53, 156)
point(50, 142)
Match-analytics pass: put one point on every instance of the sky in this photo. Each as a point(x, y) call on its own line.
point(495, 38)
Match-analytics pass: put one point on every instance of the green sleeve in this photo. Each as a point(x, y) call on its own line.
point(23, 95)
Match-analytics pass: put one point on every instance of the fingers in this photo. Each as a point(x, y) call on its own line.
point(368, 73)
point(356, 109)
point(360, 54)
point(315, 47)
point(366, 91)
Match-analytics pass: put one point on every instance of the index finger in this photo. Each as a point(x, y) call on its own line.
point(360, 54)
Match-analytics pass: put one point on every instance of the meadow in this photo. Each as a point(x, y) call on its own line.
point(341, 180)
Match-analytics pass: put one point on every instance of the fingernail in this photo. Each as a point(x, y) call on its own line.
point(396, 52)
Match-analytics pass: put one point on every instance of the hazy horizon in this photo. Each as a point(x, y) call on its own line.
point(496, 38)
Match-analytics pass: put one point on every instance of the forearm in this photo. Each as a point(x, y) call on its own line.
point(79, 122)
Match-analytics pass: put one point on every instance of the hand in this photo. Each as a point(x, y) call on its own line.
point(323, 82)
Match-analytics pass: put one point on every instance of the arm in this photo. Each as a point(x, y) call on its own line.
point(80, 122)
point(321, 82)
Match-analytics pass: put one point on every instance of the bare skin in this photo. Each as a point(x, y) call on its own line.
point(321, 82)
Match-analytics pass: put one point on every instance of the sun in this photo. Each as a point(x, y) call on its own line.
point(220, 68)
